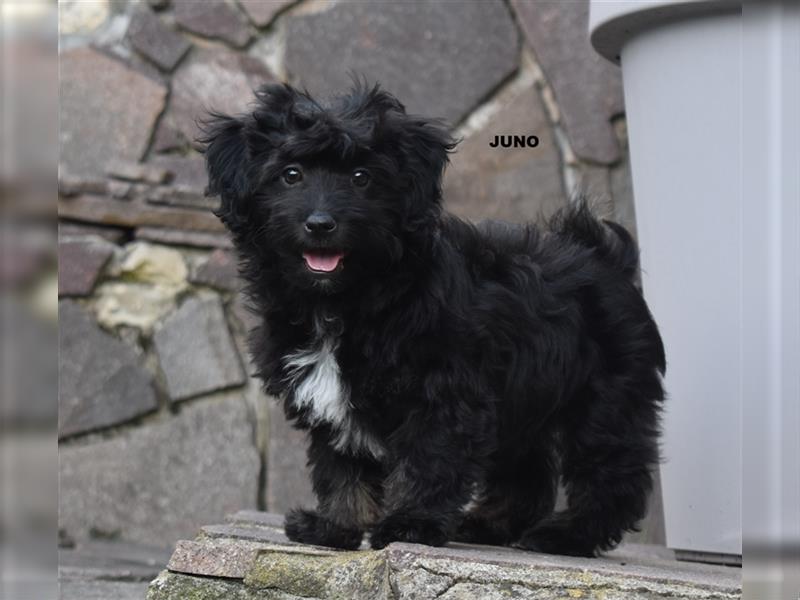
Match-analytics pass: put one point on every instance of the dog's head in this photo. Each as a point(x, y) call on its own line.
point(333, 191)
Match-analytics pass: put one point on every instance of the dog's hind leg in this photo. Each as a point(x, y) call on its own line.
point(609, 454)
point(518, 492)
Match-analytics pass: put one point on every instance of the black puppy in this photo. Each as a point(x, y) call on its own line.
point(435, 363)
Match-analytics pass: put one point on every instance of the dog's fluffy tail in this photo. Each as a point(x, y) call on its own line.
point(611, 241)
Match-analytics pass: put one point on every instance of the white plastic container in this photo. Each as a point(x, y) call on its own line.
point(681, 68)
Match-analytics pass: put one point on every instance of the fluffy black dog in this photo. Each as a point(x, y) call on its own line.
point(435, 363)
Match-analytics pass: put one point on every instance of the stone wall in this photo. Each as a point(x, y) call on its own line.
point(161, 427)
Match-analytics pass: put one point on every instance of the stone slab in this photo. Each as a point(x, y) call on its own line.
point(512, 184)
point(130, 171)
point(124, 213)
point(457, 571)
point(213, 19)
point(227, 558)
point(459, 56)
point(111, 560)
point(262, 12)
point(179, 237)
point(67, 231)
point(159, 482)
point(246, 531)
point(187, 171)
point(73, 185)
point(257, 517)
point(80, 263)
point(101, 590)
point(153, 39)
point(288, 477)
point(212, 79)
point(219, 271)
point(195, 350)
point(29, 404)
point(107, 111)
point(588, 89)
point(177, 195)
point(101, 382)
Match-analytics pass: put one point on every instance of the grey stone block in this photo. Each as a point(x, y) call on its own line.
point(111, 560)
point(588, 88)
point(133, 213)
point(160, 482)
point(130, 171)
point(80, 263)
point(101, 382)
point(102, 590)
point(288, 478)
point(219, 271)
point(180, 237)
point(107, 111)
point(409, 571)
point(154, 40)
point(212, 79)
point(195, 350)
point(514, 184)
point(261, 12)
point(78, 230)
point(187, 171)
point(439, 60)
point(213, 19)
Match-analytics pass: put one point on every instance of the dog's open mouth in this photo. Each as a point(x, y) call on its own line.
point(323, 261)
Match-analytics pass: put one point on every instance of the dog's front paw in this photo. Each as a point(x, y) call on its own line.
point(401, 528)
point(308, 527)
point(558, 536)
point(479, 530)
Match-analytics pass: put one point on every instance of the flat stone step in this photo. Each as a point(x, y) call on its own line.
point(249, 558)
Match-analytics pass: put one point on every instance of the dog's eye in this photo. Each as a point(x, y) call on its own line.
point(360, 177)
point(292, 175)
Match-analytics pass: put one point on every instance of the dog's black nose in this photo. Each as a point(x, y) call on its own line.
point(320, 222)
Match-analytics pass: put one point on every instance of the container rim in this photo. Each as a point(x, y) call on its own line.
point(612, 24)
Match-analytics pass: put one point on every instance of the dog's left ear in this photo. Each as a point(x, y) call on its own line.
point(226, 153)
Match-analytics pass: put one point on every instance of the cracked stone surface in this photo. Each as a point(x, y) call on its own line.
point(135, 213)
point(102, 590)
point(261, 12)
point(98, 122)
point(159, 482)
point(513, 184)
point(219, 270)
point(212, 19)
point(287, 468)
point(196, 351)
point(80, 262)
point(588, 88)
point(459, 55)
point(154, 40)
point(212, 79)
point(101, 382)
point(252, 559)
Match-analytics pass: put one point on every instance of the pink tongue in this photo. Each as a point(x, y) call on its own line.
point(322, 262)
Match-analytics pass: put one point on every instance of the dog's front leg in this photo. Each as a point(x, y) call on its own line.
point(439, 456)
point(348, 494)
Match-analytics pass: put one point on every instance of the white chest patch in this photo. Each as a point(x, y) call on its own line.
point(318, 387)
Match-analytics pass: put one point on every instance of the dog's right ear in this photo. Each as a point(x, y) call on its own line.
point(226, 153)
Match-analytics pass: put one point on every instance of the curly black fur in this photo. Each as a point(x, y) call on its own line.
point(438, 362)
